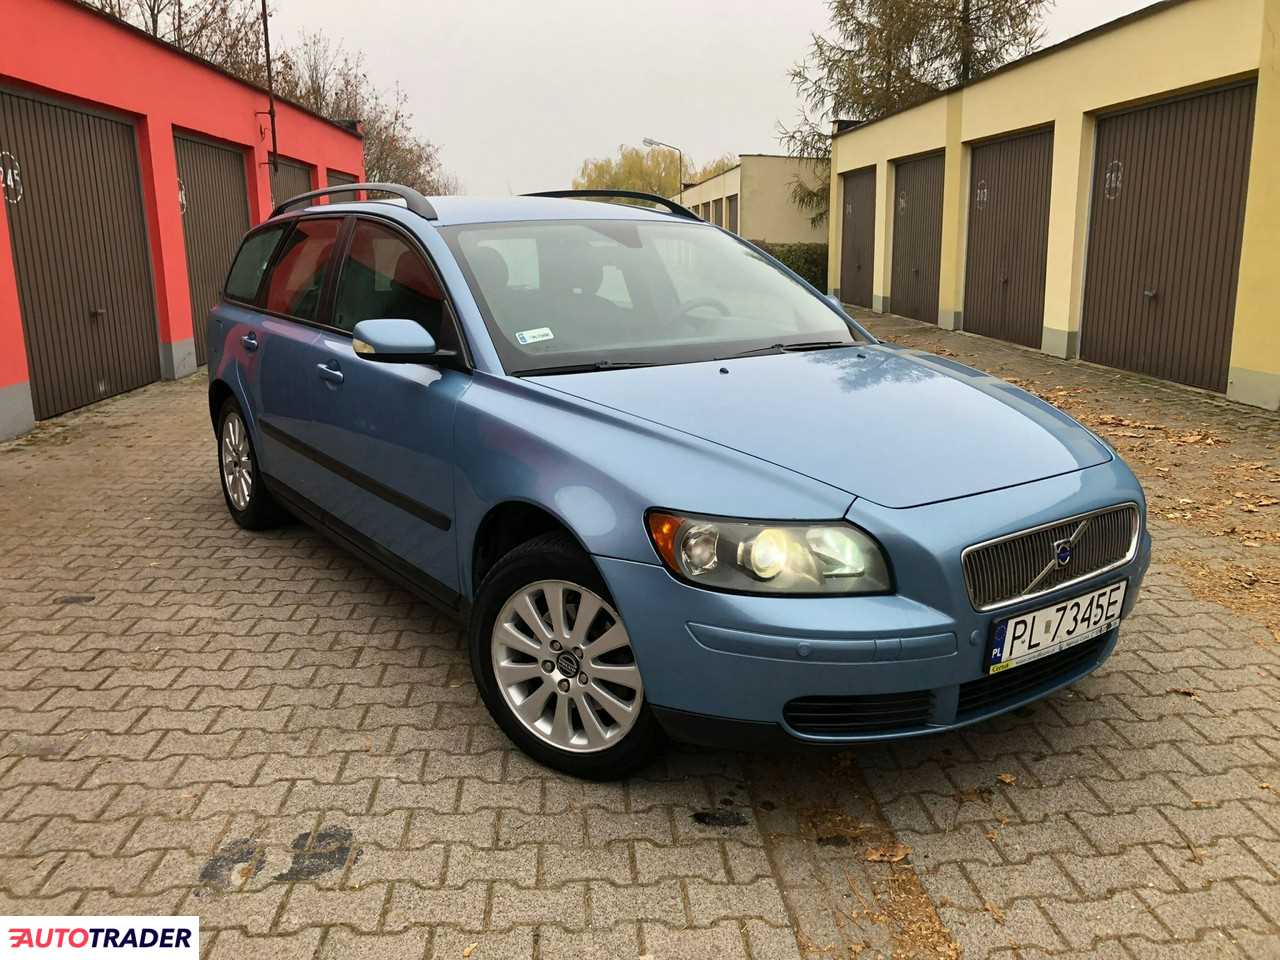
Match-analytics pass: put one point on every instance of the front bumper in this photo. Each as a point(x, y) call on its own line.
point(722, 668)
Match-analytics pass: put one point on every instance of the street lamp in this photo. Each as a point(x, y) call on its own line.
point(650, 142)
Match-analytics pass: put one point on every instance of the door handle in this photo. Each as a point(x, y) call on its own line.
point(1149, 294)
point(249, 341)
point(332, 374)
point(97, 312)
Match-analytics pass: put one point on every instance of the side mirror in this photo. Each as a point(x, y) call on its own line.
point(394, 341)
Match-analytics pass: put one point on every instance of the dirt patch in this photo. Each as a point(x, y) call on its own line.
point(719, 818)
point(868, 899)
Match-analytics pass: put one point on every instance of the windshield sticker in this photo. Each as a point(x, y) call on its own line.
point(534, 335)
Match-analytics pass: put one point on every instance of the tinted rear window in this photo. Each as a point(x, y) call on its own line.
point(251, 262)
point(297, 278)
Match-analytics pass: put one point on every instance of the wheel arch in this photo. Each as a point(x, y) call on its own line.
point(219, 390)
point(505, 526)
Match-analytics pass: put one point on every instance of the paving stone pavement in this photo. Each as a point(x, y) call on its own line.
point(256, 729)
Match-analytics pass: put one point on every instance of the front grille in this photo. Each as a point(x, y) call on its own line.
point(871, 713)
point(1009, 686)
point(1025, 565)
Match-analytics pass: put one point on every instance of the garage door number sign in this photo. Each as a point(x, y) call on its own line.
point(1113, 179)
point(11, 177)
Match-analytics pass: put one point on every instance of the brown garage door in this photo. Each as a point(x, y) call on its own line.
point(288, 179)
point(79, 243)
point(1008, 238)
point(917, 238)
point(215, 217)
point(858, 240)
point(336, 179)
point(1164, 237)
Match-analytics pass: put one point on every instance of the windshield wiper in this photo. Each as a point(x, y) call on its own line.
point(582, 367)
point(791, 347)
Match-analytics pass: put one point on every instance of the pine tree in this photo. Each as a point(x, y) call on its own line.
point(885, 55)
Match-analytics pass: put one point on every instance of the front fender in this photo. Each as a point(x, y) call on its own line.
point(598, 471)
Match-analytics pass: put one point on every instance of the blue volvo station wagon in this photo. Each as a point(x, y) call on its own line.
point(666, 485)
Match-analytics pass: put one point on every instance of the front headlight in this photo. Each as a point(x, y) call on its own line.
point(749, 556)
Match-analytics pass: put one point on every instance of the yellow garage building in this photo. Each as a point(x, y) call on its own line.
point(1114, 197)
point(753, 199)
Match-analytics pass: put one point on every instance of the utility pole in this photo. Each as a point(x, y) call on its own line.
point(271, 88)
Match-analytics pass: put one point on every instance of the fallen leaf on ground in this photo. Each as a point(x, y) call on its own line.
point(995, 912)
point(469, 949)
point(1008, 778)
point(1185, 692)
point(974, 795)
point(890, 853)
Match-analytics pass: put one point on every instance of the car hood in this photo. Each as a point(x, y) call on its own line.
point(898, 427)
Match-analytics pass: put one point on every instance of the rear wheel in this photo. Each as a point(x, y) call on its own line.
point(555, 665)
point(248, 501)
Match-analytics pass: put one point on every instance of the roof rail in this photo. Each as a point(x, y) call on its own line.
point(671, 205)
point(412, 198)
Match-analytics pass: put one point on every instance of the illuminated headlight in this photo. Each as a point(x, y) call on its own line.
point(761, 557)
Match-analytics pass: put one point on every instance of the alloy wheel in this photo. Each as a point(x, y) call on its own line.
point(237, 462)
point(564, 664)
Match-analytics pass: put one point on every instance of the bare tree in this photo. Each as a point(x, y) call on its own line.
point(315, 73)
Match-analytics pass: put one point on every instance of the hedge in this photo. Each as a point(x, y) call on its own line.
point(807, 259)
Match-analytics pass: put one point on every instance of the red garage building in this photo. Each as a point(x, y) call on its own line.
point(130, 171)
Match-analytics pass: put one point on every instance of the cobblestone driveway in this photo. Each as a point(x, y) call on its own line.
point(258, 730)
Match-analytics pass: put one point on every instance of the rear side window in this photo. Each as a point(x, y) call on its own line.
point(297, 279)
point(251, 263)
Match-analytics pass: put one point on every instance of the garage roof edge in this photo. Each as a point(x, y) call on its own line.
point(1139, 14)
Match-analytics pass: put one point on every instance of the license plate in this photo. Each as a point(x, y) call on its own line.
point(1030, 636)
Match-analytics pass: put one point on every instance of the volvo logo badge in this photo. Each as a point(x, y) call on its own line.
point(1062, 552)
point(568, 664)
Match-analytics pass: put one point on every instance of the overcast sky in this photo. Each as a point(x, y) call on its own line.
point(518, 92)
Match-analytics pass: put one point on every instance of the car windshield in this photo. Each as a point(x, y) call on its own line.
point(569, 294)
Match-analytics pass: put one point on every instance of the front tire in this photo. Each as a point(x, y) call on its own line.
point(250, 504)
point(554, 663)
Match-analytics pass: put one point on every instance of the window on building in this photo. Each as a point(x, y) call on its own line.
point(297, 279)
point(245, 278)
point(384, 277)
